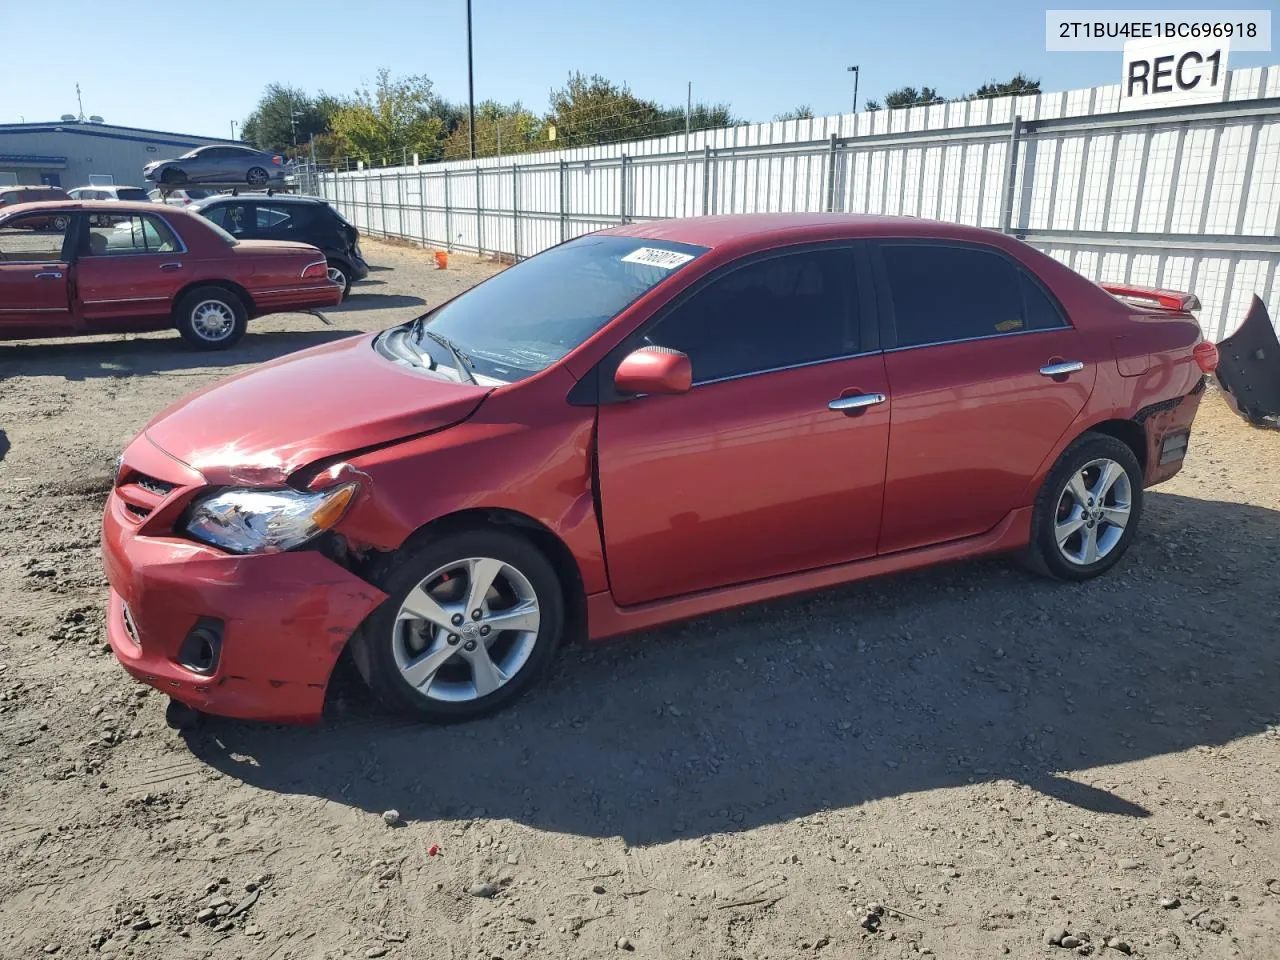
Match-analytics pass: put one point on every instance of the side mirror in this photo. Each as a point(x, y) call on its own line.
point(654, 370)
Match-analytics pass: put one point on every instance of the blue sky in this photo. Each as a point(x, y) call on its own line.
point(192, 70)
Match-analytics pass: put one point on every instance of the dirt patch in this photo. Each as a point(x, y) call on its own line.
point(959, 762)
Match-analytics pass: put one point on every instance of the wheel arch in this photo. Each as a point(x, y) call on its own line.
point(1128, 432)
point(229, 285)
point(539, 534)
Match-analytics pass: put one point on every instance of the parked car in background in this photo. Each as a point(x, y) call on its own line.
point(218, 164)
point(147, 268)
point(108, 192)
point(637, 426)
point(11, 196)
point(179, 197)
point(279, 217)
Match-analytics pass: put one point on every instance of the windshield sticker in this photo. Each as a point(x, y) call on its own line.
point(654, 257)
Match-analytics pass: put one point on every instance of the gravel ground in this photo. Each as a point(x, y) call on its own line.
point(964, 762)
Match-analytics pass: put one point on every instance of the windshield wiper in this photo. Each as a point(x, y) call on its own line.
point(461, 361)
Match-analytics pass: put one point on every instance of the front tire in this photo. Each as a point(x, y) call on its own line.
point(173, 176)
point(426, 652)
point(1088, 510)
point(338, 274)
point(211, 318)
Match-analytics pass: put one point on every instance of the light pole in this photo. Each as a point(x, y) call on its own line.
point(233, 129)
point(471, 86)
point(854, 71)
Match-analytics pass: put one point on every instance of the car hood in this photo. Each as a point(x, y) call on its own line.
point(259, 426)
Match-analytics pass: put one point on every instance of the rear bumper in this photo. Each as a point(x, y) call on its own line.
point(359, 269)
point(1168, 429)
point(284, 620)
point(312, 297)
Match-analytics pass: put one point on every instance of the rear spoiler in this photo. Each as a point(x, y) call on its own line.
point(1249, 368)
point(1153, 298)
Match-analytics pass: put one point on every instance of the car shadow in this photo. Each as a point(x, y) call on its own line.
point(359, 300)
point(968, 673)
point(75, 359)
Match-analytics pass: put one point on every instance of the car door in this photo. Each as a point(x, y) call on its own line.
point(34, 276)
point(986, 374)
point(752, 473)
point(128, 268)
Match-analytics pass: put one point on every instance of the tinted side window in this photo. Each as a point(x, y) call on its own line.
point(773, 313)
point(1041, 312)
point(277, 219)
point(944, 293)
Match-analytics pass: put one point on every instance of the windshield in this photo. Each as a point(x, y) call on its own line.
point(530, 315)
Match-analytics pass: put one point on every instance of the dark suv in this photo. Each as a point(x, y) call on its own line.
point(253, 216)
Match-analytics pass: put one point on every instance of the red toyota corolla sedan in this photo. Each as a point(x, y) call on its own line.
point(648, 423)
point(73, 268)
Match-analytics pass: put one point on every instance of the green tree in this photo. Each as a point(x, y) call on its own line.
point(1020, 83)
point(593, 110)
point(499, 130)
point(283, 113)
point(802, 112)
point(874, 105)
point(398, 117)
point(911, 97)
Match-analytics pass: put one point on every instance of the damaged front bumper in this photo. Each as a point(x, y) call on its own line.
point(1249, 368)
point(254, 637)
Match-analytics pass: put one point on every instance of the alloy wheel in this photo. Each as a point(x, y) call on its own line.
point(337, 276)
point(257, 176)
point(466, 629)
point(1093, 511)
point(213, 320)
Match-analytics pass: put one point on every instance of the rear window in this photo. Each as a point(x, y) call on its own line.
point(943, 293)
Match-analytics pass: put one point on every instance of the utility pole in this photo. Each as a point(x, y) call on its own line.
point(80, 101)
point(233, 129)
point(855, 72)
point(471, 86)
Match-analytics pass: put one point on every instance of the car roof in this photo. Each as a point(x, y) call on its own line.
point(106, 186)
point(762, 229)
point(259, 195)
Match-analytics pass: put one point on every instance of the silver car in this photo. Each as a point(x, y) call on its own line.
point(218, 164)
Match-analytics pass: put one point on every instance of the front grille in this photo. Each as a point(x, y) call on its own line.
point(159, 487)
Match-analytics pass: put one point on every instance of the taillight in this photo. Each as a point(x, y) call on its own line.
point(319, 270)
point(277, 160)
point(1206, 355)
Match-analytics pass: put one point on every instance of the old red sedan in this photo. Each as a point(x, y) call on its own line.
point(75, 268)
point(648, 423)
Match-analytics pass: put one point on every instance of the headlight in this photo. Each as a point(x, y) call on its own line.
point(266, 521)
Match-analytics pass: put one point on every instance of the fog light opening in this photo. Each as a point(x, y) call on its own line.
point(202, 648)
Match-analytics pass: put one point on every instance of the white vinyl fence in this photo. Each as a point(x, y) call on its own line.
point(1185, 198)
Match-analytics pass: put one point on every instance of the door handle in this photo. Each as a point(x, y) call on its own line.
point(1061, 369)
point(854, 404)
point(170, 266)
point(49, 275)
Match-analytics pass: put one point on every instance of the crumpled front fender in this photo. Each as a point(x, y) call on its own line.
point(1249, 368)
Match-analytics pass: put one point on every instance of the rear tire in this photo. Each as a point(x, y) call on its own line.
point(211, 318)
point(1087, 511)
point(338, 273)
point(422, 668)
point(256, 177)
